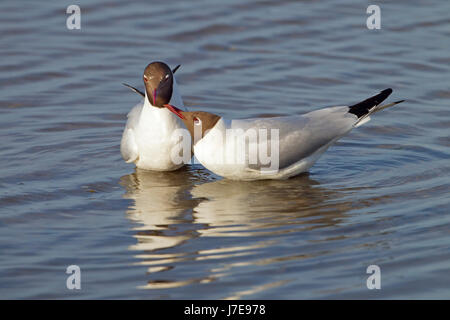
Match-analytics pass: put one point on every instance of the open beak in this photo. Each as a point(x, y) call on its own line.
point(175, 110)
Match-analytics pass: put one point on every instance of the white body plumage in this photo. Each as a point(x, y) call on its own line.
point(302, 139)
point(147, 139)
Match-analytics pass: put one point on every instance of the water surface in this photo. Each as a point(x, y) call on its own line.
point(379, 196)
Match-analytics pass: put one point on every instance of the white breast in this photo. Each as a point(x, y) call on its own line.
point(211, 150)
point(148, 140)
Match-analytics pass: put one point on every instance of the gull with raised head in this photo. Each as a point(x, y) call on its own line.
point(147, 139)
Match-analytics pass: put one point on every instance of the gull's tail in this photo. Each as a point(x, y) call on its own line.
point(369, 106)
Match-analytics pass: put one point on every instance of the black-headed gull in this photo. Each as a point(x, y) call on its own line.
point(147, 139)
point(272, 148)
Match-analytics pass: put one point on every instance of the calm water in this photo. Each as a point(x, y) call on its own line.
point(380, 196)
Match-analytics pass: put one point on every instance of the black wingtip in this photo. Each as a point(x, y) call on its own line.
point(134, 89)
point(176, 68)
point(387, 91)
point(362, 108)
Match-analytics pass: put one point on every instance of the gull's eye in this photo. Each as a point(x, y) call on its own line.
point(197, 121)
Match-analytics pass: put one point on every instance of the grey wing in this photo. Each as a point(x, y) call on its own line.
point(301, 136)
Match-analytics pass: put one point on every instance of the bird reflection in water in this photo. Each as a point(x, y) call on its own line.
point(175, 211)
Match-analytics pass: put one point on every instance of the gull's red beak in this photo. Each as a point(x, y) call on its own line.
point(175, 110)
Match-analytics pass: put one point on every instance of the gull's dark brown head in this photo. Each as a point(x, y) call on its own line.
point(197, 122)
point(158, 80)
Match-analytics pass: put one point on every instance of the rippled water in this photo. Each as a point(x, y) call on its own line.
point(380, 196)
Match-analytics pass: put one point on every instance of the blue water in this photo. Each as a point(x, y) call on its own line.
point(379, 196)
